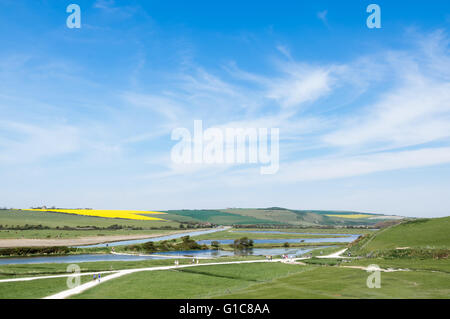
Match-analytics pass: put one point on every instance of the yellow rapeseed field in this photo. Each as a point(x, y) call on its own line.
point(126, 214)
point(351, 216)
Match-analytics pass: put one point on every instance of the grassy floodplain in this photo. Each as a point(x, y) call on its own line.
point(200, 282)
point(47, 269)
point(270, 280)
point(39, 288)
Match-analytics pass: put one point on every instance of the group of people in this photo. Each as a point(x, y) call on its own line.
point(194, 261)
point(269, 257)
point(97, 278)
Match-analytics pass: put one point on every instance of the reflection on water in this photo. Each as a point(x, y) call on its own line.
point(292, 252)
point(73, 259)
point(347, 239)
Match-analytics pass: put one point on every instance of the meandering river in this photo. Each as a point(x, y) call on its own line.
point(292, 252)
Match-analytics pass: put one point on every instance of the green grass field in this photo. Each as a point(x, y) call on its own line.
point(442, 265)
point(416, 234)
point(199, 282)
point(273, 216)
point(25, 270)
point(273, 280)
point(17, 218)
point(214, 216)
point(334, 282)
point(53, 220)
point(302, 217)
point(57, 233)
point(427, 277)
point(35, 288)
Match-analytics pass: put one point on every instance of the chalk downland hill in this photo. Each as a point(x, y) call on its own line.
point(278, 216)
point(414, 238)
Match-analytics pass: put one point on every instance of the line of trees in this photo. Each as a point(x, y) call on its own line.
point(26, 251)
point(186, 243)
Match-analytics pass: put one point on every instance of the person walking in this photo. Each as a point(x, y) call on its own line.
point(99, 277)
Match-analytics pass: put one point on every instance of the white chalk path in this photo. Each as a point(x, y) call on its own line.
point(120, 273)
point(58, 276)
point(336, 254)
point(84, 287)
point(333, 255)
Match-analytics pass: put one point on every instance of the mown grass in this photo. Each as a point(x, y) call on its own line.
point(196, 282)
point(272, 280)
point(24, 270)
point(33, 289)
point(336, 282)
point(428, 264)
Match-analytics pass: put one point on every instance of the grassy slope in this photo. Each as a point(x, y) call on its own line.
point(429, 264)
point(273, 215)
point(20, 218)
point(417, 234)
point(334, 282)
point(214, 217)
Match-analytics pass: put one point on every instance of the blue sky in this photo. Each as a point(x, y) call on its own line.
point(86, 114)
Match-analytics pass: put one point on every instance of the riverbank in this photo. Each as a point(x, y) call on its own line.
point(27, 242)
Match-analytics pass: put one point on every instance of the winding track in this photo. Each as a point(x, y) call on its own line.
point(119, 273)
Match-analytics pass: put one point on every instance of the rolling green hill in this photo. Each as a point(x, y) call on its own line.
point(414, 237)
point(276, 216)
point(215, 217)
point(13, 217)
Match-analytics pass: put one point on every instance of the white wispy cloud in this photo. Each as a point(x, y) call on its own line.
point(322, 15)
